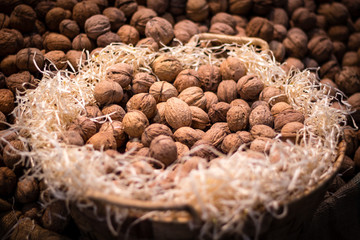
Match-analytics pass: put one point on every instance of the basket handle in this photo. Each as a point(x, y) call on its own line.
point(222, 38)
point(143, 205)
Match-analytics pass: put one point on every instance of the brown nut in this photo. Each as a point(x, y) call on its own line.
point(162, 91)
point(128, 34)
point(260, 27)
point(122, 73)
point(116, 112)
point(249, 87)
point(107, 92)
point(27, 190)
point(210, 77)
point(237, 118)
point(154, 130)
point(84, 10)
point(218, 112)
point(232, 68)
point(262, 131)
point(163, 148)
point(97, 25)
point(193, 96)
point(261, 115)
point(116, 128)
point(30, 59)
point(187, 78)
point(287, 116)
point(135, 123)
point(187, 136)
point(177, 113)
point(166, 68)
point(160, 30)
point(141, 17)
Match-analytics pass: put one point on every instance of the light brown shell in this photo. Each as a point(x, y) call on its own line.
point(193, 96)
point(177, 113)
point(135, 123)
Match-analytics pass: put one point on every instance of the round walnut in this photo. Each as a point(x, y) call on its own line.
point(200, 119)
point(141, 17)
point(20, 81)
point(55, 216)
point(224, 17)
point(11, 41)
point(218, 112)
point(185, 29)
point(279, 32)
point(81, 42)
point(142, 82)
point(162, 91)
point(115, 112)
point(66, 4)
point(203, 149)
point(160, 113)
point(134, 146)
point(232, 68)
point(34, 41)
point(128, 34)
point(214, 136)
point(329, 69)
point(290, 131)
point(97, 25)
point(293, 63)
point(72, 138)
point(7, 181)
point(279, 107)
point(262, 131)
point(226, 91)
point(29, 59)
point(237, 118)
point(210, 77)
point(27, 190)
point(328, 86)
point(272, 95)
point(351, 59)
point(84, 10)
point(154, 130)
point(143, 102)
point(197, 10)
point(55, 41)
point(249, 87)
point(295, 43)
point(107, 38)
point(287, 116)
point(260, 27)
point(335, 13)
point(84, 126)
point(163, 148)
point(122, 73)
point(231, 143)
point(116, 17)
point(278, 16)
point(54, 17)
point(353, 43)
point(102, 141)
point(348, 80)
point(135, 123)
point(187, 136)
point(75, 58)
point(278, 50)
point(102, 4)
point(107, 92)
point(160, 30)
point(4, 20)
point(182, 149)
point(187, 78)
point(245, 105)
point(261, 144)
point(193, 96)
point(149, 43)
point(211, 98)
point(7, 101)
point(303, 18)
point(11, 154)
point(128, 7)
point(177, 113)
point(261, 115)
point(23, 18)
point(158, 6)
point(320, 48)
point(57, 58)
point(166, 68)
point(221, 28)
point(43, 7)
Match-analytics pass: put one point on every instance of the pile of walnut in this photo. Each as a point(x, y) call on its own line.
point(167, 118)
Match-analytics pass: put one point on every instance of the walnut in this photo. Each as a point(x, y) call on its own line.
point(23, 18)
point(328, 86)
point(279, 107)
point(310, 63)
point(7, 101)
point(242, 103)
point(134, 146)
point(218, 112)
point(335, 13)
point(279, 33)
point(348, 80)
point(149, 43)
point(231, 143)
point(193, 96)
point(122, 73)
point(166, 68)
point(54, 17)
point(159, 6)
point(237, 118)
point(187, 78)
point(143, 102)
point(128, 34)
point(203, 149)
point(66, 4)
point(262, 131)
point(33, 41)
point(303, 18)
point(102, 4)
point(4, 20)
point(20, 81)
point(200, 119)
point(232, 68)
point(116, 17)
point(287, 116)
point(160, 113)
point(11, 154)
point(107, 92)
point(115, 112)
point(134, 123)
point(197, 10)
point(226, 91)
point(293, 63)
point(223, 17)
point(162, 91)
point(278, 16)
point(261, 144)
point(221, 28)
point(127, 6)
point(56, 216)
point(96, 25)
point(7, 181)
point(103, 141)
point(27, 190)
point(290, 130)
point(57, 58)
point(278, 50)
point(260, 27)
point(222, 125)
point(94, 112)
point(75, 58)
point(182, 149)
point(143, 152)
point(43, 7)
point(154, 130)
point(177, 113)
point(84, 10)
point(249, 87)
point(240, 7)
point(141, 17)
point(272, 95)
point(211, 98)
point(55, 41)
point(27, 58)
point(210, 77)
point(262, 7)
point(320, 48)
point(353, 43)
point(160, 30)
point(339, 33)
point(185, 29)
point(11, 41)
point(295, 43)
point(81, 42)
point(261, 115)
point(142, 81)
point(84, 126)
point(214, 136)
point(163, 148)
point(72, 138)
point(329, 69)
point(351, 59)
point(217, 6)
